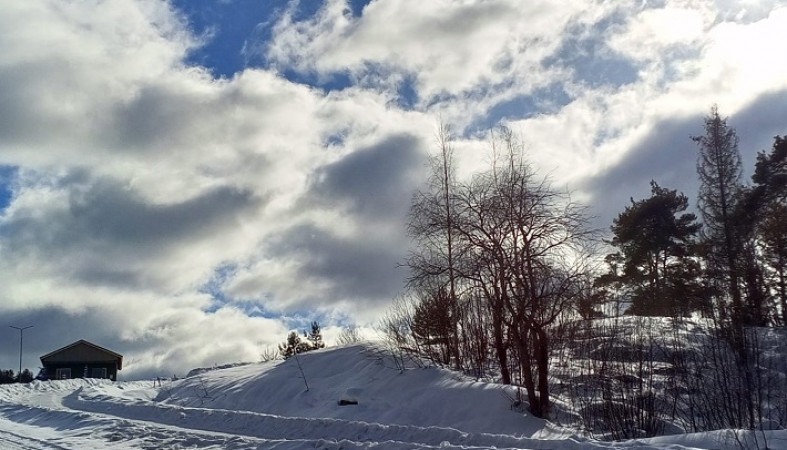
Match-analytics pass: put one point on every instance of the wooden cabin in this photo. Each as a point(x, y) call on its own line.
point(82, 359)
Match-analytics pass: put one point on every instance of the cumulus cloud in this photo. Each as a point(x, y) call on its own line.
point(469, 51)
point(349, 237)
point(184, 219)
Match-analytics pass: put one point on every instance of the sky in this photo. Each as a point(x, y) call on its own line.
point(185, 181)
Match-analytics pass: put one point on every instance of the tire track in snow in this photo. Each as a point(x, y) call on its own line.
point(269, 426)
point(13, 441)
point(147, 435)
point(316, 430)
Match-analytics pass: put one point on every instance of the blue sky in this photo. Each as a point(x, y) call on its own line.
point(233, 32)
point(173, 173)
point(7, 175)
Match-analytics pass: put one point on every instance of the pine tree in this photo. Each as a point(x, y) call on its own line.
point(293, 346)
point(25, 376)
point(769, 198)
point(315, 337)
point(7, 376)
point(656, 263)
point(433, 326)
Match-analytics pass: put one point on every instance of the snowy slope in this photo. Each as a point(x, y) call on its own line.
point(418, 396)
point(267, 405)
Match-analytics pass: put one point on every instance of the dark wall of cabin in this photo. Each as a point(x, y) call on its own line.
point(78, 369)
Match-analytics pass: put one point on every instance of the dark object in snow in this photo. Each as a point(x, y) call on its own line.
point(346, 401)
point(42, 375)
point(201, 370)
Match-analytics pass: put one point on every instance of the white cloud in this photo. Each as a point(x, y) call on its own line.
point(453, 48)
point(654, 30)
point(141, 176)
point(743, 58)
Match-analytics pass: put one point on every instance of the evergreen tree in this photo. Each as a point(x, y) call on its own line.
point(769, 197)
point(315, 337)
point(772, 233)
point(656, 262)
point(433, 325)
point(25, 376)
point(719, 171)
point(770, 173)
point(7, 376)
point(293, 346)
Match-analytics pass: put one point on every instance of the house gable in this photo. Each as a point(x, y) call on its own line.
point(83, 352)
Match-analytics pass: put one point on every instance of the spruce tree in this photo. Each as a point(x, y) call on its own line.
point(719, 171)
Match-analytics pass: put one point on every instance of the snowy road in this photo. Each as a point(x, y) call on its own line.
point(99, 431)
point(39, 428)
point(15, 436)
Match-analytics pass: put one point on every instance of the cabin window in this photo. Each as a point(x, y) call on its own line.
point(63, 373)
point(99, 372)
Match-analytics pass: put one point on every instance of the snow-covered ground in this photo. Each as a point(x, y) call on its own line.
point(268, 406)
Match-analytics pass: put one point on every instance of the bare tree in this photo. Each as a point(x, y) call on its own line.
point(433, 263)
point(349, 335)
point(498, 260)
point(529, 252)
point(396, 330)
point(270, 354)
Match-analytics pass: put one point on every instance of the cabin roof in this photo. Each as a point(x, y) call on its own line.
point(91, 347)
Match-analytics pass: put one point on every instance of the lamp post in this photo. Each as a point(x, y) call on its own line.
point(21, 336)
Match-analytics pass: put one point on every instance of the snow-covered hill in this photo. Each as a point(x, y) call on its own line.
point(267, 405)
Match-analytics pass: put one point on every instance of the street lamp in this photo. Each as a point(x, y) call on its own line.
point(21, 336)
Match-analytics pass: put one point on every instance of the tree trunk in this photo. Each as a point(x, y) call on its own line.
point(541, 341)
point(500, 345)
point(523, 342)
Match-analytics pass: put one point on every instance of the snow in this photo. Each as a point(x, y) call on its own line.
point(267, 405)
